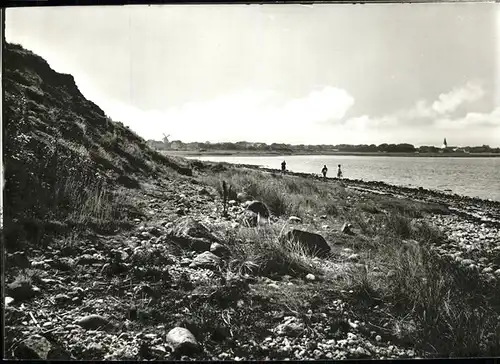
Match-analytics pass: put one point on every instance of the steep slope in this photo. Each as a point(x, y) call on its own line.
point(61, 151)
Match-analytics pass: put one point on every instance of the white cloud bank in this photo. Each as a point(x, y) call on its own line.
point(428, 122)
point(450, 101)
point(247, 115)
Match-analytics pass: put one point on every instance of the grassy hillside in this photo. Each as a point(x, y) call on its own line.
point(63, 156)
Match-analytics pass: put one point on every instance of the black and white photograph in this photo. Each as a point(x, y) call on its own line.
point(251, 182)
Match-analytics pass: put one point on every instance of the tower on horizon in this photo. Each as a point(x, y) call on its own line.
point(445, 144)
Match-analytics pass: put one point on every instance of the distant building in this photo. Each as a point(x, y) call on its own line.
point(445, 144)
point(176, 145)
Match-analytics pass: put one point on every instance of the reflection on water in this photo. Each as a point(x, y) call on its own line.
point(475, 177)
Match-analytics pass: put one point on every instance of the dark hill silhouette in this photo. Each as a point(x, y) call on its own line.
point(61, 149)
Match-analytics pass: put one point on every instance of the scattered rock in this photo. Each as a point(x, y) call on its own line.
point(205, 260)
point(310, 277)
point(291, 327)
point(219, 249)
point(353, 257)
point(294, 219)
point(8, 301)
point(21, 290)
point(182, 341)
point(347, 229)
point(94, 351)
point(144, 289)
point(19, 259)
point(88, 259)
point(314, 243)
point(193, 234)
point(62, 299)
point(37, 347)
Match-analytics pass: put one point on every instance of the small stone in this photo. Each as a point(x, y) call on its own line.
point(219, 249)
point(294, 219)
point(347, 229)
point(378, 338)
point(93, 322)
point(62, 298)
point(206, 260)
point(95, 351)
point(181, 340)
point(8, 300)
point(352, 324)
point(310, 277)
point(353, 257)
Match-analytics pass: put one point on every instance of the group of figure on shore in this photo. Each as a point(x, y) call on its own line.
point(324, 171)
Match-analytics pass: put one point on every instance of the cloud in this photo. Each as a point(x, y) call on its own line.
point(449, 102)
point(471, 121)
point(425, 113)
point(365, 122)
point(245, 115)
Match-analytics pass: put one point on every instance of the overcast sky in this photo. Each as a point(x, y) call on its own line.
point(315, 74)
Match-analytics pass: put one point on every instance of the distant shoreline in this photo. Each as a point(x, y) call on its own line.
point(240, 153)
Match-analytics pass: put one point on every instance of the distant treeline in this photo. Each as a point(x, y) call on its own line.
point(289, 148)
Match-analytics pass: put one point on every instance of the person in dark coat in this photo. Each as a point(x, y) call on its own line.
point(283, 167)
point(339, 173)
point(324, 170)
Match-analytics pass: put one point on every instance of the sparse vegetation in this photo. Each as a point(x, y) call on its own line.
point(284, 195)
point(262, 252)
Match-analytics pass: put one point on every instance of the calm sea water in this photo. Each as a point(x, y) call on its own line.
point(475, 177)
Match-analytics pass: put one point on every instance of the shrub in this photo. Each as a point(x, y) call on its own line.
point(260, 251)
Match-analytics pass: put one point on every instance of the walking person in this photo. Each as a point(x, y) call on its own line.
point(339, 173)
point(324, 170)
point(283, 167)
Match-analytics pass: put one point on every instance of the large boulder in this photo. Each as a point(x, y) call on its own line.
point(182, 341)
point(37, 347)
point(260, 208)
point(219, 249)
point(291, 326)
point(256, 213)
point(94, 322)
point(21, 290)
point(192, 234)
point(18, 259)
point(315, 244)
